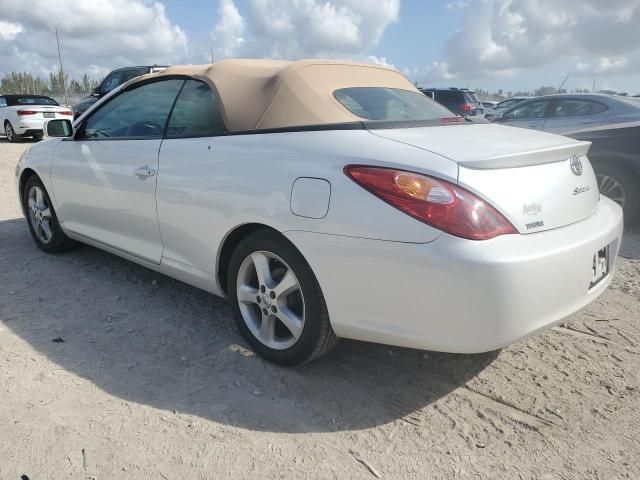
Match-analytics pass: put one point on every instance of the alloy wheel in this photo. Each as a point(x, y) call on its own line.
point(270, 300)
point(610, 187)
point(40, 214)
point(10, 133)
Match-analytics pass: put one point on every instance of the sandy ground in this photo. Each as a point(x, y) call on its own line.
point(152, 382)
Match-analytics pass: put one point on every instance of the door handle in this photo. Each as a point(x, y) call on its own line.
point(144, 172)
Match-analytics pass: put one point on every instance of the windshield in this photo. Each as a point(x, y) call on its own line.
point(30, 100)
point(390, 104)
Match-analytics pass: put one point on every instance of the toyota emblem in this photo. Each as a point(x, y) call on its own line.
point(576, 165)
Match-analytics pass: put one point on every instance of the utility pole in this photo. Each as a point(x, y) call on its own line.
point(563, 82)
point(64, 83)
point(593, 89)
point(211, 48)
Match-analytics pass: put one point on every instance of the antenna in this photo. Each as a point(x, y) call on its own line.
point(64, 83)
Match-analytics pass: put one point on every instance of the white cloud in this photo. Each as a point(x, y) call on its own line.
point(506, 37)
point(95, 36)
point(228, 33)
point(379, 61)
point(457, 5)
point(8, 30)
point(305, 28)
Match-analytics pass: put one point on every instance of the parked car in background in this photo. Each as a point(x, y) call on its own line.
point(568, 112)
point(488, 104)
point(460, 101)
point(329, 199)
point(111, 81)
point(23, 115)
point(615, 156)
point(503, 106)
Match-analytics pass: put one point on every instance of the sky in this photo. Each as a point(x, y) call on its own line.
point(490, 44)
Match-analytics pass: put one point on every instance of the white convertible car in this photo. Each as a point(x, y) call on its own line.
point(329, 199)
point(23, 115)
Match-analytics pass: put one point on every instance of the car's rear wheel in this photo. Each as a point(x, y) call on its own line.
point(277, 302)
point(11, 134)
point(42, 219)
point(621, 186)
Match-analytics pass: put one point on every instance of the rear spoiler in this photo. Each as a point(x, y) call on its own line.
point(533, 157)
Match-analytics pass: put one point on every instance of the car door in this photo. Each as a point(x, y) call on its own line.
point(190, 230)
point(527, 115)
point(573, 114)
point(104, 179)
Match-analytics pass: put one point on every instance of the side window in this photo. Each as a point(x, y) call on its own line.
point(111, 82)
point(196, 113)
point(506, 104)
point(598, 108)
point(528, 110)
point(137, 113)
point(129, 74)
point(572, 108)
point(3, 102)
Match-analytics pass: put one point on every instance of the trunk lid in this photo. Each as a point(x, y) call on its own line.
point(538, 181)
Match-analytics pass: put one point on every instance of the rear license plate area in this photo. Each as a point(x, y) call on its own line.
point(49, 115)
point(600, 266)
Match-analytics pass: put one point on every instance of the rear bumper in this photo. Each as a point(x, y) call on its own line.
point(29, 127)
point(458, 295)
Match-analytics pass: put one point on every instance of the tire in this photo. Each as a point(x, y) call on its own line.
point(42, 220)
point(622, 186)
point(11, 134)
point(288, 294)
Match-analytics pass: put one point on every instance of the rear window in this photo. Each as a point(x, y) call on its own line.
point(390, 104)
point(630, 100)
point(471, 97)
point(30, 100)
point(450, 97)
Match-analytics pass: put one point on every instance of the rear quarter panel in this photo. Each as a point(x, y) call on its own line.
point(209, 186)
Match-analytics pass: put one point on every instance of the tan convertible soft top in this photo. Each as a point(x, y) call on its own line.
point(260, 94)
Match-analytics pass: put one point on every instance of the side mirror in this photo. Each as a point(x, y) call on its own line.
point(96, 91)
point(58, 128)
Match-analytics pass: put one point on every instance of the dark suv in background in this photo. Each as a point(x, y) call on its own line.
point(111, 81)
point(461, 101)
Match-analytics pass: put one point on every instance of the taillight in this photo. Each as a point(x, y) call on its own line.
point(436, 202)
point(466, 107)
point(22, 113)
point(66, 112)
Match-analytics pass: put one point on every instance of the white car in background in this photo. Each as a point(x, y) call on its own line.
point(23, 115)
point(329, 199)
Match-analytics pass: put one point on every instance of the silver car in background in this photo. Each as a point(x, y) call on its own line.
point(500, 107)
point(565, 113)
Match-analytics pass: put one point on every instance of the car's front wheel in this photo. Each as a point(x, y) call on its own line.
point(42, 219)
point(277, 302)
point(11, 134)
